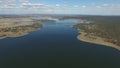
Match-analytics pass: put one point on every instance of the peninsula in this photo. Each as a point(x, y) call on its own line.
point(103, 30)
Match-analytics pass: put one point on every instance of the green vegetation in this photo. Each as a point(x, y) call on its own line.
point(107, 27)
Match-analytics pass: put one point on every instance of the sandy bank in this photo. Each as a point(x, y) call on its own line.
point(14, 20)
point(96, 40)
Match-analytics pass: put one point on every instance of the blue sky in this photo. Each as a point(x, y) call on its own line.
point(87, 7)
point(74, 2)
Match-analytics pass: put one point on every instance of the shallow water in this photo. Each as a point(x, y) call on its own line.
point(55, 45)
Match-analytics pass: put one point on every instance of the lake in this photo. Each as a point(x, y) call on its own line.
point(55, 45)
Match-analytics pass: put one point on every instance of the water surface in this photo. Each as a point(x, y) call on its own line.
point(55, 46)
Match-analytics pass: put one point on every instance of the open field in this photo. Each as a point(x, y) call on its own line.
point(17, 30)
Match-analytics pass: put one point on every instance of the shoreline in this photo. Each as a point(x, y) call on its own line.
point(17, 30)
point(98, 40)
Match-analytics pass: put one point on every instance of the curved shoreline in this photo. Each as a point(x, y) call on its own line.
point(97, 40)
point(17, 30)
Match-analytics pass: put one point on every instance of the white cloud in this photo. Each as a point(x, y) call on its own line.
point(10, 6)
point(98, 7)
point(29, 5)
point(57, 5)
point(83, 6)
point(76, 6)
point(7, 1)
point(105, 5)
point(112, 6)
point(24, 1)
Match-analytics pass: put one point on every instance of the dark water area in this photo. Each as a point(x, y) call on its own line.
point(55, 45)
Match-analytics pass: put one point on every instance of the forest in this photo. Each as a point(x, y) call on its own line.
point(107, 27)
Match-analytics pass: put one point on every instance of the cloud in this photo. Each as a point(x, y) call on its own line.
point(29, 5)
point(7, 1)
point(25, 6)
point(24, 1)
point(57, 5)
point(112, 6)
point(98, 7)
point(76, 6)
point(83, 6)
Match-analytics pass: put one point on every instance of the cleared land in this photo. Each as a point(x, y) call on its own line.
point(10, 28)
point(14, 20)
point(17, 30)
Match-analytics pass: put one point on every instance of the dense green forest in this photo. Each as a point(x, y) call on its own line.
point(107, 27)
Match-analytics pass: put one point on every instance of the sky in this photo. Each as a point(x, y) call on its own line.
point(84, 7)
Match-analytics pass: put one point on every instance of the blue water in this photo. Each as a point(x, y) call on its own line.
point(55, 45)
